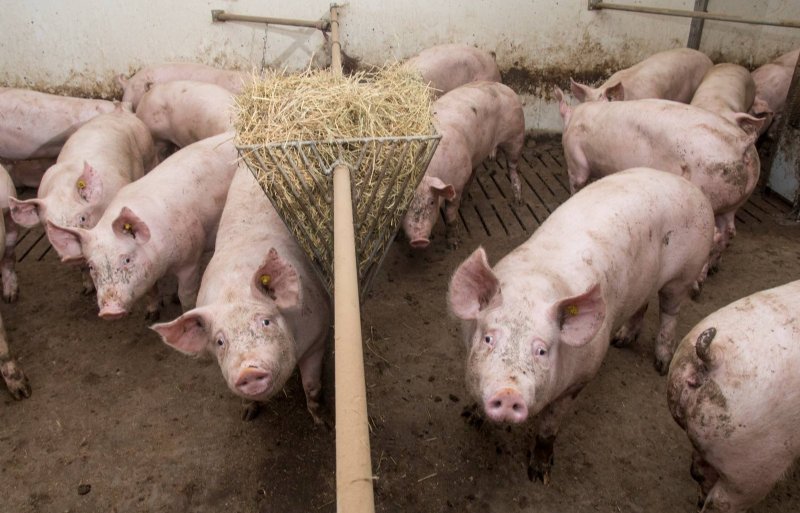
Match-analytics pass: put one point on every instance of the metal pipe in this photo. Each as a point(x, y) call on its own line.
point(696, 29)
point(354, 492)
point(219, 15)
point(597, 5)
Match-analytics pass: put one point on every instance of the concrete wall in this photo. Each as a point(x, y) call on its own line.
point(78, 46)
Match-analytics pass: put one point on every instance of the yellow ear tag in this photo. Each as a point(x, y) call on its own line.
point(127, 227)
point(572, 310)
point(265, 279)
point(81, 184)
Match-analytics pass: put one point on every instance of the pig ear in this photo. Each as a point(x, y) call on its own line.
point(25, 212)
point(442, 189)
point(615, 93)
point(474, 287)
point(89, 185)
point(122, 80)
point(563, 107)
point(188, 333)
point(579, 91)
point(750, 124)
point(580, 317)
point(276, 278)
point(67, 241)
point(128, 224)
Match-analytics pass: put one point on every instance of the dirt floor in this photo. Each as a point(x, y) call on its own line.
point(119, 422)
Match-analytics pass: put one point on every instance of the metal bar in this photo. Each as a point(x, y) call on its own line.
point(354, 493)
point(595, 5)
point(220, 16)
point(696, 30)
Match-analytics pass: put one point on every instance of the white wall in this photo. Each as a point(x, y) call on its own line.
point(78, 46)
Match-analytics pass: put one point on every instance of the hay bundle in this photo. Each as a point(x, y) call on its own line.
point(327, 112)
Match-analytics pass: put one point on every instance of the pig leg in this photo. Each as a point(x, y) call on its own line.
point(251, 410)
point(629, 331)
point(729, 497)
point(670, 298)
point(310, 366)
point(577, 169)
point(720, 242)
point(9, 275)
point(705, 475)
point(540, 460)
point(188, 285)
point(152, 309)
point(86, 281)
point(697, 286)
point(513, 149)
point(16, 381)
point(452, 232)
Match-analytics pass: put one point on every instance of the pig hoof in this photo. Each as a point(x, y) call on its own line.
point(17, 382)
point(452, 243)
point(472, 416)
point(695, 292)
point(152, 315)
point(11, 297)
point(540, 471)
point(251, 411)
point(713, 269)
point(662, 366)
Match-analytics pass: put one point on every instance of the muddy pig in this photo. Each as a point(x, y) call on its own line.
point(16, 381)
point(446, 67)
point(601, 138)
point(36, 125)
point(669, 75)
point(537, 326)
point(261, 309)
point(727, 90)
point(772, 82)
point(474, 120)
point(138, 84)
point(733, 387)
point(157, 225)
point(185, 111)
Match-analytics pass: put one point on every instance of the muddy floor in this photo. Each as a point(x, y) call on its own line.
point(119, 422)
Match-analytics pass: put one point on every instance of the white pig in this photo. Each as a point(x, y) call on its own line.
point(772, 82)
point(36, 125)
point(734, 388)
point(474, 120)
point(261, 309)
point(16, 381)
point(538, 324)
point(446, 67)
point(727, 89)
point(138, 84)
point(155, 226)
point(601, 138)
point(669, 75)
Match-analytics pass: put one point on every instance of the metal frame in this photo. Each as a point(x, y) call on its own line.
point(218, 15)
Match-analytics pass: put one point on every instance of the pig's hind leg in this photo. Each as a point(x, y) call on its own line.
point(16, 381)
point(513, 150)
point(629, 331)
point(670, 298)
point(9, 275)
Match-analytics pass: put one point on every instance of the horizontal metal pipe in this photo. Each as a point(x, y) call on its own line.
point(217, 15)
point(595, 5)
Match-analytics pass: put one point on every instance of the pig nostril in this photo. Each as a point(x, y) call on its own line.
point(496, 403)
point(517, 407)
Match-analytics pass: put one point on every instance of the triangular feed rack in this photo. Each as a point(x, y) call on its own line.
point(296, 176)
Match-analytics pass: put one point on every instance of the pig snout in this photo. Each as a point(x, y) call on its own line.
point(112, 312)
point(420, 243)
point(507, 405)
point(253, 381)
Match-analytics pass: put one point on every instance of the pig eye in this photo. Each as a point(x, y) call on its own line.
point(82, 219)
point(488, 339)
point(220, 342)
point(265, 322)
point(540, 351)
point(127, 260)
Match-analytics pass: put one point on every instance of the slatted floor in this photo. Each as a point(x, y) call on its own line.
point(488, 209)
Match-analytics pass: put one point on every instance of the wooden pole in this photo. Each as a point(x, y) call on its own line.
point(354, 492)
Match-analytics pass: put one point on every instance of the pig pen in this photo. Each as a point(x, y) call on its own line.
point(119, 422)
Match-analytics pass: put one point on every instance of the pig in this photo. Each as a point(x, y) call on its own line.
point(669, 75)
point(733, 386)
point(474, 120)
point(16, 382)
point(155, 226)
point(138, 84)
point(726, 90)
point(446, 67)
point(537, 326)
point(772, 82)
point(601, 138)
point(184, 111)
point(36, 125)
point(102, 156)
point(261, 308)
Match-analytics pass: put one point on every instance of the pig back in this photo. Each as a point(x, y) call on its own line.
point(446, 67)
point(481, 115)
point(725, 89)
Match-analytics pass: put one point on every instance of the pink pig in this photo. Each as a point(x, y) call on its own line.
point(36, 125)
point(669, 75)
point(734, 388)
point(184, 111)
point(601, 138)
point(157, 225)
point(261, 308)
point(138, 84)
point(15, 379)
point(772, 82)
point(446, 67)
point(727, 90)
point(537, 326)
point(474, 120)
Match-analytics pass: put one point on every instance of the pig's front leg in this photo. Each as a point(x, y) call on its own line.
point(188, 285)
point(86, 281)
point(311, 373)
point(452, 231)
point(541, 457)
point(152, 309)
point(9, 275)
point(16, 381)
